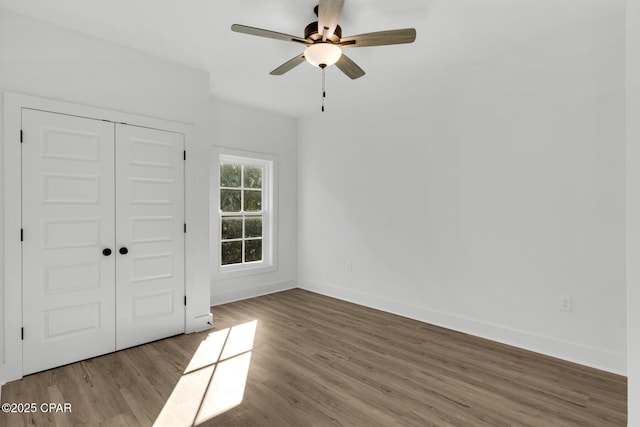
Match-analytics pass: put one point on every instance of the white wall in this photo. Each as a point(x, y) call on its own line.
point(633, 210)
point(479, 205)
point(254, 130)
point(47, 61)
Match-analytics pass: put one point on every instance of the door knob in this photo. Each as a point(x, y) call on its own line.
point(106, 252)
point(123, 251)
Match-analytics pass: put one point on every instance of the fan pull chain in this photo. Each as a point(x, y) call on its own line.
point(324, 94)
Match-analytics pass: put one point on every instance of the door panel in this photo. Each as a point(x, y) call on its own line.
point(149, 223)
point(68, 217)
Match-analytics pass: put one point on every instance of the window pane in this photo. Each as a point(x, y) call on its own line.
point(231, 253)
point(230, 200)
point(231, 227)
point(252, 177)
point(252, 200)
point(252, 250)
point(230, 175)
point(253, 226)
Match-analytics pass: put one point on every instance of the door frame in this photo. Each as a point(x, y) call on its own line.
point(12, 221)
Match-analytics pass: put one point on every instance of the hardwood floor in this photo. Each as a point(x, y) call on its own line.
point(317, 361)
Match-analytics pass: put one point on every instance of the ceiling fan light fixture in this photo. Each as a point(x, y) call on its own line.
point(322, 54)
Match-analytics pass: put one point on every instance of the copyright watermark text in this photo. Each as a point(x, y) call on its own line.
point(32, 407)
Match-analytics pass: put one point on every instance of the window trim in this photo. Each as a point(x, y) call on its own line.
point(269, 211)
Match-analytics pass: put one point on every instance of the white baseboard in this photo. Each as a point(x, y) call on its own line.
point(576, 353)
point(202, 323)
point(224, 297)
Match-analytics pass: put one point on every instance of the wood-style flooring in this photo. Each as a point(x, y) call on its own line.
point(296, 358)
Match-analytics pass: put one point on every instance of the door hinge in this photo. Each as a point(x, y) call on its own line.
point(185, 300)
point(22, 234)
point(21, 136)
point(22, 334)
point(184, 155)
point(185, 227)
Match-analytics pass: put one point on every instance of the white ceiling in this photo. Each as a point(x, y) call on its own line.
point(451, 34)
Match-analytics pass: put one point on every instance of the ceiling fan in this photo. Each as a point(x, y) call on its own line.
point(323, 40)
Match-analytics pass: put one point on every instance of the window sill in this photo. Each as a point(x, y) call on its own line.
point(232, 272)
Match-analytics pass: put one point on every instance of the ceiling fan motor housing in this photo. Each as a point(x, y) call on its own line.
point(311, 33)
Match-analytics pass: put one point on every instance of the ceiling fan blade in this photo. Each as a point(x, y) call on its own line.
point(350, 68)
point(289, 65)
point(267, 33)
point(328, 15)
point(380, 38)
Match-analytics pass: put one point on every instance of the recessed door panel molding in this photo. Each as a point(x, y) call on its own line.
point(72, 277)
point(153, 305)
point(151, 153)
point(62, 322)
point(67, 217)
point(72, 232)
point(67, 188)
point(147, 191)
point(151, 267)
point(69, 144)
point(152, 229)
point(149, 224)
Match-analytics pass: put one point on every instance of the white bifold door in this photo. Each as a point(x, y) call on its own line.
point(103, 238)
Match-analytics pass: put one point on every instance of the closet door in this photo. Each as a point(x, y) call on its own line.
point(68, 221)
point(149, 235)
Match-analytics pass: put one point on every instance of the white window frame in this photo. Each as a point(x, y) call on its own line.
point(268, 163)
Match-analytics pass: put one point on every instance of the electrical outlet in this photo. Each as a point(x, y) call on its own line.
point(349, 267)
point(565, 303)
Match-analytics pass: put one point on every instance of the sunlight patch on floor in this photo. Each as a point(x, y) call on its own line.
point(214, 380)
point(226, 389)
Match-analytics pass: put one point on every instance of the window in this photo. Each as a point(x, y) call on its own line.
point(241, 214)
point(244, 199)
